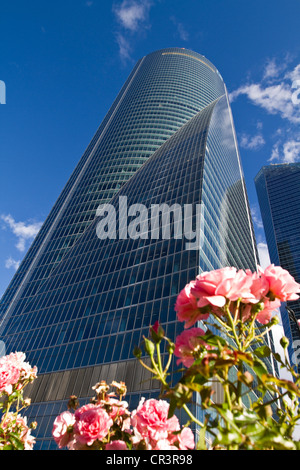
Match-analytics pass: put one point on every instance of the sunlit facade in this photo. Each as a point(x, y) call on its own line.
point(278, 190)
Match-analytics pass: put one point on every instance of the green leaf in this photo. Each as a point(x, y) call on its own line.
point(286, 384)
point(213, 340)
point(172, 407)
point(227, 438)
point(276, 441)
point(262, 351)
point(297, 445)
point(253, 430)
point(201, 444)
point(8, 447)
point(278, 358)
point(16, 442)
point(260, 369)
point(246, 417)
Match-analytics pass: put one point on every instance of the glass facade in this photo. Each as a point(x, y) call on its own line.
point(164, 90)
point(80, 303)
point(278, 190)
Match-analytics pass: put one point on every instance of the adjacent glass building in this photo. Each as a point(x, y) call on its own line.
point(95, 278)
point(278, 190)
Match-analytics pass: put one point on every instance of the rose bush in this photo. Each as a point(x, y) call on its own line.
point(107, 424)
point(15, 374)
point(235, 310)
point(227, 314)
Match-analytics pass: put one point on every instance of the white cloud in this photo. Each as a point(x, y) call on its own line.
point(294, 74)
point(271, 69)
point(252, 143)
point(274, 69)
point(278, 93)
point(286, 152)
point(22, 230)
point(275, 98)
point(131, 14)
point(12, 263)
point(291, 151)
point(132, 17)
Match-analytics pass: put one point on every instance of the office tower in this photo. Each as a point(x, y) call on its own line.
point(278, 190)
point(94, 280)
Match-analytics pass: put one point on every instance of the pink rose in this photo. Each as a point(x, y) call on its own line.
point(185, 440)
point(164, 444)
point(62, 428)
point(260, 286)
point(92, 423)
point(9, 376)
point(187, 344)
point(18, 425)
point(150, 420)
point(216, 287)
point(116, 445)
point(187, 308)
point(24, 432)
point(264, 316)
point(281, 284)
point(118, 411)
point(17, 360)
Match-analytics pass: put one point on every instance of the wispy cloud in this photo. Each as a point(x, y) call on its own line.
point(252, 142)
point(256, 217)
point(12, 263)
point(124, 47)
point(132, 14)
point(132, 17)
point(24, 231)
point(277, 94)
point(286, 152)
point(274, 68)
point(181, 30)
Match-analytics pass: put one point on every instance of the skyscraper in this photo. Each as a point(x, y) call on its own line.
point(278, 190)
point(92, 283)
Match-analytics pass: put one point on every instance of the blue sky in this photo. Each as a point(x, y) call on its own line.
point(63, 63)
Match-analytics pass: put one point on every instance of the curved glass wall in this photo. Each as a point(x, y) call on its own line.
point(78, 318)
point(164, 90)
